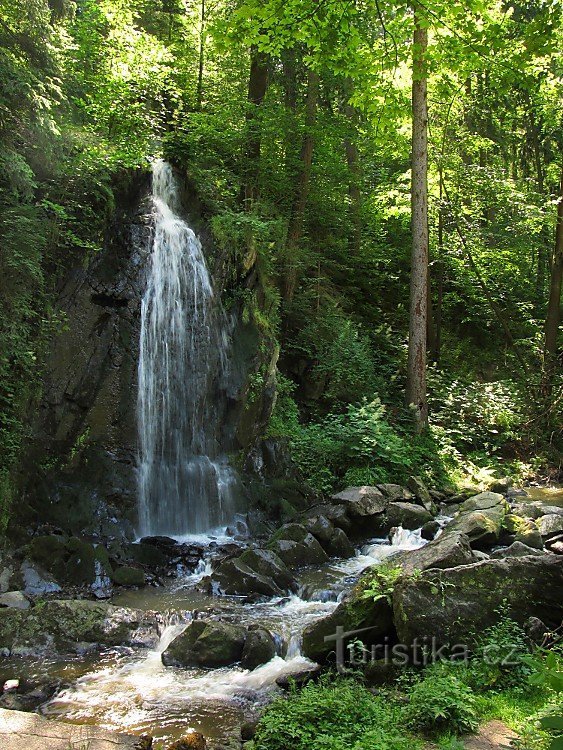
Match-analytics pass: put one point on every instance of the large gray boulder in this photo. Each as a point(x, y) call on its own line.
point(407, 515)
point(550, 525)
point(235, 578)
point(481, 518)
point(455, 605)
point(335, 513)
point(268, 564)
point(332, 539)
point(206, 643)
point(66, 626)
point(395, 493)
point(361, 501)
point(374, 618)
point(296, 546)
point(482, 501)
point(447, 551)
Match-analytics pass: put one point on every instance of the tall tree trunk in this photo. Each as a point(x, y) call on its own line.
point(201, 59)
point(353, 161)
point(554, 304)
point(257, 87)
point(416, 373)
point(297, 219)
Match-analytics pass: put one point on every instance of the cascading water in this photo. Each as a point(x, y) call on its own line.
point(184, 482)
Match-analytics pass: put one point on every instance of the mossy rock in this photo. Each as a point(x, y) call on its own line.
point(206, 643)
point(58, 625)
point(127, 576)
point(456, 604)
point(259, 648)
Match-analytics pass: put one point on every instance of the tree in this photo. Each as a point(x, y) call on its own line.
point(416, 369)
point(554, 302)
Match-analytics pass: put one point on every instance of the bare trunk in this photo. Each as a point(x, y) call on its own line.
point(257, 87)
point(201, 56)
point(416, 373)
point(554, 304)
point(295, 231)
point(353, 161)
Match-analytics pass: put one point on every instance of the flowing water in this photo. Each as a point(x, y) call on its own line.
point(185, 483)
point(133, 691)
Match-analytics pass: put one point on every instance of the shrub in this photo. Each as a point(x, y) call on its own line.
point(441, 702)
point(331, 715)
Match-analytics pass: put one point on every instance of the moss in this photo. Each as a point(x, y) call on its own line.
point(127, 576)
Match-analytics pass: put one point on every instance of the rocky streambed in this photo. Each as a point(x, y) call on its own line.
point(228, 618)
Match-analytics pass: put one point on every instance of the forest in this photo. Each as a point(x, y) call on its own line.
point(281, 285)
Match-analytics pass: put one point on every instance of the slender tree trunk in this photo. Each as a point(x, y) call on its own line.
point(353, 161)
point(554, 304)
point(201, 60)
point(440, 273)
point(257, 87)
point(297, 219)
point(416, 372)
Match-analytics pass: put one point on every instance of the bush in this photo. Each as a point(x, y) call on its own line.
point(331, 715)
point(441, 702)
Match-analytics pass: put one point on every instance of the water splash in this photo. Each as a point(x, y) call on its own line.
point(185, 484)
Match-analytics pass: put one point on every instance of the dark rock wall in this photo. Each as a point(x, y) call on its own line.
point(82, 461)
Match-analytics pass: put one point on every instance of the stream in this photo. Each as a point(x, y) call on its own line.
point(130, 690)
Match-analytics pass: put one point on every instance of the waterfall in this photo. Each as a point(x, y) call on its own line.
point(185, 483)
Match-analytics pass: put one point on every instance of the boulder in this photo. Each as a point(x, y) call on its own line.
point(339, 545)
point(268, 564)
point(128, 576)
point(550, 525)
point(336, 514)
point(375, 618)
point(395, 493)
point(14, 599)
point(361, 501)
point(516, 549)
point(422, 495)
point(259, 648)
point(320, 527)
point(37, 581)
point(191, 741)
point(555, 544)
point(233, 577)
point(524, 530)
point(59, 626)
point(501, 485)
point(447, 551)
point(455, 605)
point(296, 546)
point(358, 617)
point(206, 643)
point(298, 679)
point(482, 501)
point(407, 515)
point(430, 529)
point(481, 517)
point(536, 509)
point(147, 554)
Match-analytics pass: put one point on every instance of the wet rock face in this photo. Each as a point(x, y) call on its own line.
point(87, 423)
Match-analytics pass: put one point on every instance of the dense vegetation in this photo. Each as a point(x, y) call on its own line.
point(293, 122)
point(517, 684)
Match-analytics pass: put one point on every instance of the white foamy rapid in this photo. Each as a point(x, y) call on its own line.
point(185, 483)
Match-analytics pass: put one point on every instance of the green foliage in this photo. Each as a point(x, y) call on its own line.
point(359, 442)
point(381, 582)
point(501, 657)
point(339, 715)
point(441, 702)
